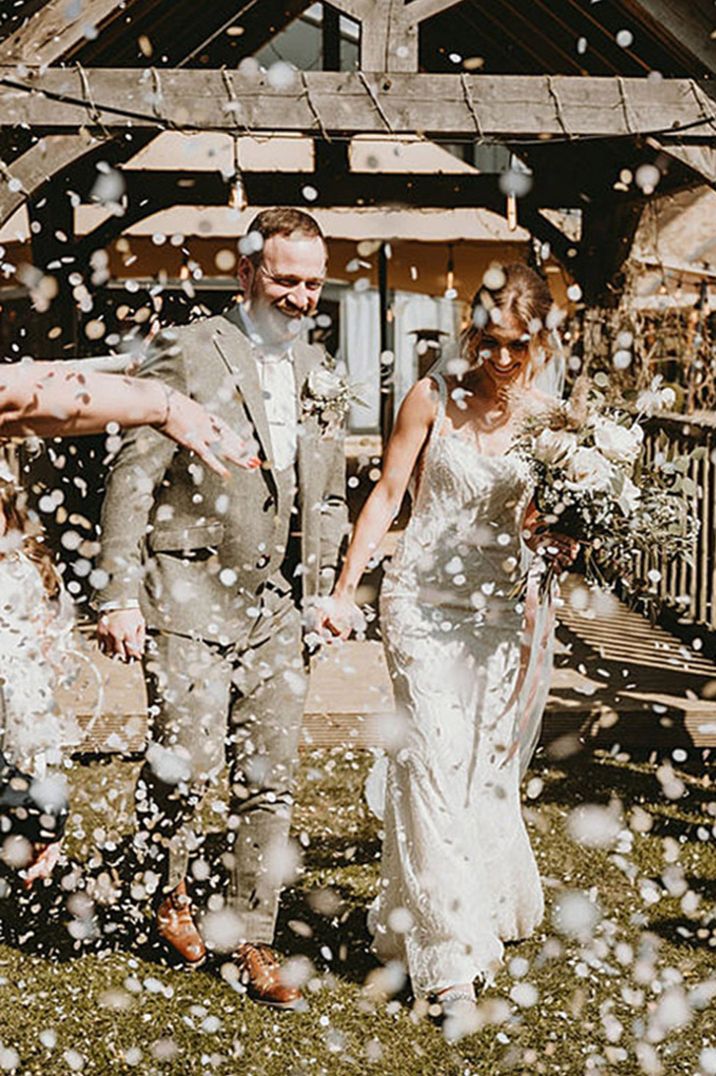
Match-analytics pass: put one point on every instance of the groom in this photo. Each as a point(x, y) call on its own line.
point(210, 575)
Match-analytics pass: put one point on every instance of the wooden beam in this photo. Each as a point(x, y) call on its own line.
point(608, 230)
point(56, 28)
point(389, 30)
point(387, 343)
point(331, 38)
point(67, 155)
point(700, 159)
point(564, 249)
point(147, 192)
point(420, 10)
point(52, 230)
point(350, 103)
point(33, 169)
point(684, 26)
point(419, 190)
point(389, 38)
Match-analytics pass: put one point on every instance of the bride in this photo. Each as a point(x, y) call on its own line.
point(459, 877)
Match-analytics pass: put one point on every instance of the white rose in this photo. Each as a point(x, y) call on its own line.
point(656, 398)
point(553, 445)
point(324, 383)
point(621, 444)
point(587, 469)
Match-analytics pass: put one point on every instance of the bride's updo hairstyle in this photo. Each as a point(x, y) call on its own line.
point(515, 291)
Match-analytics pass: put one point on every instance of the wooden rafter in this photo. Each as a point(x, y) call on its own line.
point(389, 30)
point(684, 26)
point(66, 159)
point(700, 159)
point(420, 10)
point(508, 107)
point(55, 29)
point(35, 167)
point(608, 230)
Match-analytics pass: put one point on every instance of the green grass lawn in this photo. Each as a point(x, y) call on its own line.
point(622, 981)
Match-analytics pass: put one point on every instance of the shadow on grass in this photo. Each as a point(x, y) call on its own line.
point(586, 777)
point(61, 918)
point(329, 927)
point(325, 924)
point(682, 932)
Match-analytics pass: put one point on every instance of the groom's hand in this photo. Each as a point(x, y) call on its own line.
point(121, 633)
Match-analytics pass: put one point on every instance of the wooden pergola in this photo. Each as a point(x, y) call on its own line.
point(583, 95)
point(603, 103)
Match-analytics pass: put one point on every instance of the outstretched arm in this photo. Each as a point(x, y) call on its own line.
point(50, 400)
point(411, 429)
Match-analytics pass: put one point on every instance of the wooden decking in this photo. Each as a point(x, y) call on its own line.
point(617, 680)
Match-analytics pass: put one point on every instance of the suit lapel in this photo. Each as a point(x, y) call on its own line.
point(309, 441)
point(235, 349)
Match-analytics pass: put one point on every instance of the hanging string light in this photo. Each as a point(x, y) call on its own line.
point(450, 292)
point(237, 195)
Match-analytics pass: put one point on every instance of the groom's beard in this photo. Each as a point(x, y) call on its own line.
point(277, 325)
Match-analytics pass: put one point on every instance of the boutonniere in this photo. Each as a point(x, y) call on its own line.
point(327, 396)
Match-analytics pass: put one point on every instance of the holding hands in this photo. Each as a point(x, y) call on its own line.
point(338, 617)
point(121, 633)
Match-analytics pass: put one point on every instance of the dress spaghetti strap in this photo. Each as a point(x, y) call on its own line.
point(442, 403)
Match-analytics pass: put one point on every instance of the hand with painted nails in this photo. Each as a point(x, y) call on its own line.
point(214, 442)
point(58, 399)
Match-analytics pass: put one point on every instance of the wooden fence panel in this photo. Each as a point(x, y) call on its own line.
point(674, 435)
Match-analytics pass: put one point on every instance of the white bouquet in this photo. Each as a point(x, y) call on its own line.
point(592, 483)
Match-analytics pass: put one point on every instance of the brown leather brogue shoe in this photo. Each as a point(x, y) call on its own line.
point(260, 973)
point(177, 929)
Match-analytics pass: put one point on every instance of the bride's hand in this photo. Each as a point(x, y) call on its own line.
point(340, 617)
point(560, 550)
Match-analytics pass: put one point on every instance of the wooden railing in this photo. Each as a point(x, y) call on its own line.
point(689, 589)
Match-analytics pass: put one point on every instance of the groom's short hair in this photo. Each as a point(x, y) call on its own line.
point(284, 220)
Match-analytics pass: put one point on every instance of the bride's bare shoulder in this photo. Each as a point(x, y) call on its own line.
point(420, 402)
point(425, 392)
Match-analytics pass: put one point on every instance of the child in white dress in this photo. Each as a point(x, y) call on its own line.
point(35, 648)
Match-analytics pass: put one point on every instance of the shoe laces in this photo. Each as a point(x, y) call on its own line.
point(265, 956)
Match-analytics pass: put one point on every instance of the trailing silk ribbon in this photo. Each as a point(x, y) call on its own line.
point(538, 625)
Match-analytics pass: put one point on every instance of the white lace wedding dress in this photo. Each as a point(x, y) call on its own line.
point(458, 873)
point(35, 651)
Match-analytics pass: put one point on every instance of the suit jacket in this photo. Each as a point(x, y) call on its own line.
point(191, 548)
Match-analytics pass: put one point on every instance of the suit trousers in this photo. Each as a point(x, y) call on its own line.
point(239, 705)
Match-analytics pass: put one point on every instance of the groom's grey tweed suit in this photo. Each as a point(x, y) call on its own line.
point(206, 559)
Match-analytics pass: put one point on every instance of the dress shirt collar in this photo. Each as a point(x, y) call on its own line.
point(270, 353)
